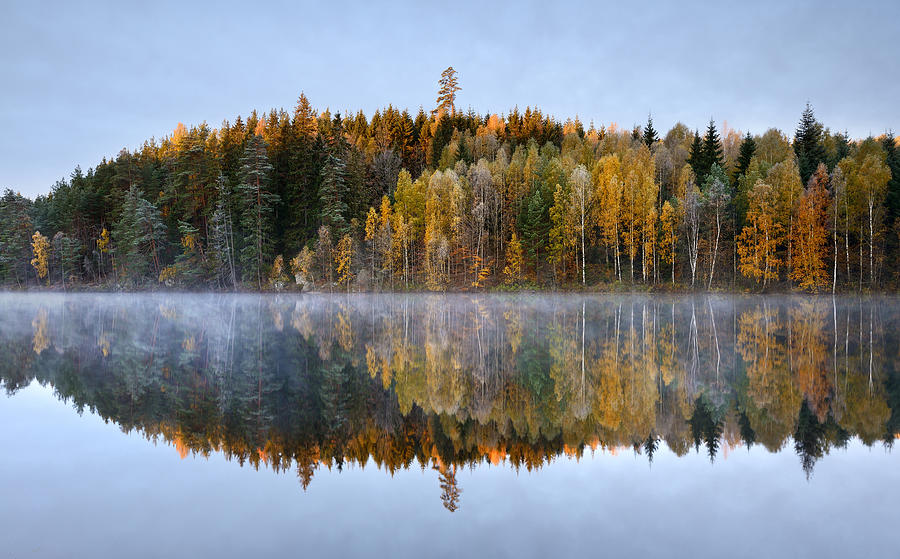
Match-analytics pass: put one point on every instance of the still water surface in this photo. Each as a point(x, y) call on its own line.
point(393, 425)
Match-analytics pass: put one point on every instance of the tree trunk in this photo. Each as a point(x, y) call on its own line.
point(712, 268)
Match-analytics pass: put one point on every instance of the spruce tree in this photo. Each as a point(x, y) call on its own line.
point(712, 152)
point(140, 235)
point(534, 220)
point(257, 206)
point(748, 148)
point(650, 136)
point(695, 157)
point(808, 144)
point(892, 159)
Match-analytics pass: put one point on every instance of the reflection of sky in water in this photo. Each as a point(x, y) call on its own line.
point(454, 381)
point(78, 487)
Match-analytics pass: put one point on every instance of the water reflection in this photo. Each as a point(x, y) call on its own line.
point(300, 383)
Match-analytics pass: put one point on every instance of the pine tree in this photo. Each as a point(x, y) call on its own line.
point(15, 237)
point(257, 206)
point(650, 136)
point(221, 239)
point(333, 191)
point(808, 144)
point(449, 85)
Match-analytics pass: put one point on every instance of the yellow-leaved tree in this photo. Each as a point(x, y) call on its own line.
point(371, 230)
point(301, 266)
point(608, 182)
point(669, 236)
point(758, 242)
point(513, 270)
point(343, 258)
point(40, 248)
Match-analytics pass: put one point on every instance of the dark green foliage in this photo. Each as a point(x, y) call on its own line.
point(140, 236)
point(748, 148)
point(534, 223)
point(706, 426)
point(893, 191)
point(808, 144)
point(695, 156)
point(257, 203)
point(15, 237)
point(333, 192)
point(711, 153)
point(650, 136)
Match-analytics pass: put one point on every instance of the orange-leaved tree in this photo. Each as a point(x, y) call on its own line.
point(809, 236)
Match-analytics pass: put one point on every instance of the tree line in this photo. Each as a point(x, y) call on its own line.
point(455, 200)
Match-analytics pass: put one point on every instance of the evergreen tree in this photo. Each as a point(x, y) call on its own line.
point(333, 191)
point(695, 156)
point(140, 236)
point(650, 136)
point(535, 225)
point(711, 154)
point(257, 205)
point(808, 144)
point(748, 148)
point(221, 239)
point(15, 237)
point(892, 159)
point(449, 85)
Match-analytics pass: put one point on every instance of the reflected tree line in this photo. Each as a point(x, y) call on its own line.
point(298, 383)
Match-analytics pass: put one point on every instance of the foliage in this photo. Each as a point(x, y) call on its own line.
point(40, 247)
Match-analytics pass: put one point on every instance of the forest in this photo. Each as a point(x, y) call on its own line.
point(453, 200)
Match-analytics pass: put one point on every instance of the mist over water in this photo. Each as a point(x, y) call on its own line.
point(468, 409)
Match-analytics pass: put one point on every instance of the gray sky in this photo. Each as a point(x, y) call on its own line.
point(83, 80)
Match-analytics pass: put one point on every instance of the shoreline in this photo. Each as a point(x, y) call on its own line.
point(487, 291)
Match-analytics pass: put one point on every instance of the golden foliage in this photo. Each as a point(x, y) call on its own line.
point(103, 241)
point(513, 270)
point(301, 265)
point(343, 258)
point(40, 247)
point(41, 338)
point(167, 275)
point(809, 236)
point(758, 243)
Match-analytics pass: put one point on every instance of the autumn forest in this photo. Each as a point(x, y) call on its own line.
point(447, 199)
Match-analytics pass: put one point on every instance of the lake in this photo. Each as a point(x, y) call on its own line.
point(448, 425)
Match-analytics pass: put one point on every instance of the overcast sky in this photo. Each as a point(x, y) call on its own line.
point(83, 80)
